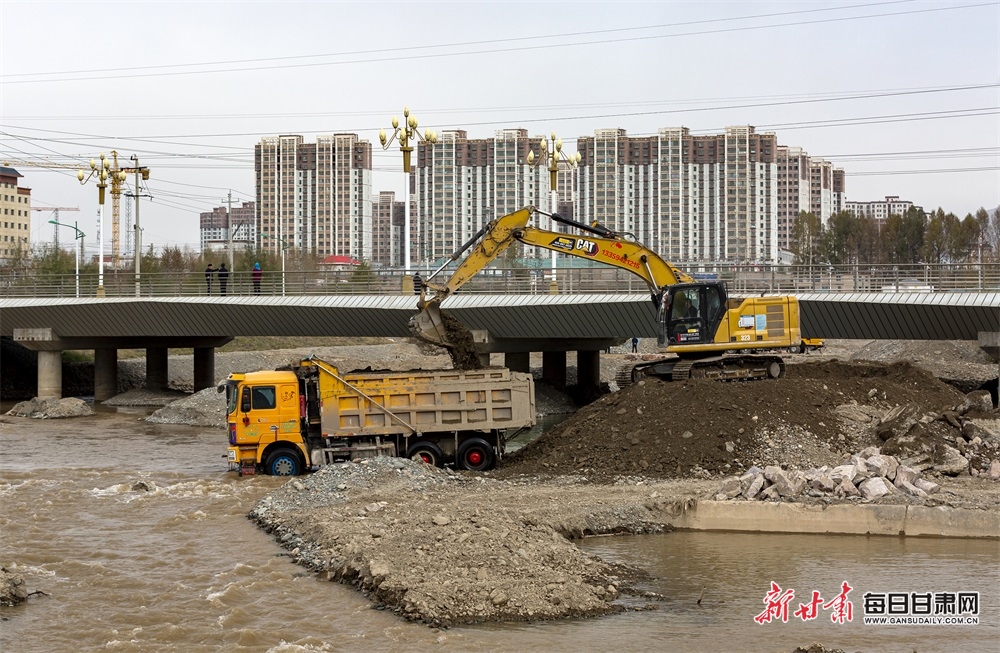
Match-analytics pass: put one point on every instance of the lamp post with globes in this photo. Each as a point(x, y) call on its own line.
point(551, 152)
point(101, 171)
point(405, 134)
point(78, 237)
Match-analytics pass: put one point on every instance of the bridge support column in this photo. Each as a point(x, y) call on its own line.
point(517, 361)
point(554, 368)
point(105, 373)
point(588, 368)
point(50, 374)
point(204, 368)
point(156, 368)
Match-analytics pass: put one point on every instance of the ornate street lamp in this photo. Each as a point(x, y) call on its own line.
point(550, 152)
point(101, 172)
point(404, 134)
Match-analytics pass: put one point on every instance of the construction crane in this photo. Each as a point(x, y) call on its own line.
point(116, 194)
point(116, 191)
point(55, 218)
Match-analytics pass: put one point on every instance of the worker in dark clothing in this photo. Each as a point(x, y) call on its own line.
point(256, 276)
point(209, 271)
point(223, 277)
point(635, 341)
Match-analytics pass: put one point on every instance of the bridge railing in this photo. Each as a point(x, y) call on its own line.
point(741, 279)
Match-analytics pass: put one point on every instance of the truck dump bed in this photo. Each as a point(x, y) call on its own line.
point(420, 401)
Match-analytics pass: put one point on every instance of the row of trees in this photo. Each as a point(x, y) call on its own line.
point(51, 261)
point(911, 238)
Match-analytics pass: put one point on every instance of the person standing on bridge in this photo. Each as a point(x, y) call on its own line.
point(223, 278)
point(209, 271)
point(256, 274)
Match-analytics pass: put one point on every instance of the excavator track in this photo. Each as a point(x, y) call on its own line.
point(719, 368)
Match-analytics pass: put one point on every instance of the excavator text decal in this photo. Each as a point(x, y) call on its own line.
point(563, 242)
point(621, 258)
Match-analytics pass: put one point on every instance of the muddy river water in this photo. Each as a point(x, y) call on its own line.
point(138, 535)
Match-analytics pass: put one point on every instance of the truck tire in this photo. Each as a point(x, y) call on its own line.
point(475, 455)
point(283, 462)
point(426, 452)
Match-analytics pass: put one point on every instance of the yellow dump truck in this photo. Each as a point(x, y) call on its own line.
point(287, 421)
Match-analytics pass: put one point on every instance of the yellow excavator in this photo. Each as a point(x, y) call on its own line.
point(705, 333)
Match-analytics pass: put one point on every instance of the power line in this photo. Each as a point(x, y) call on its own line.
point(411, 57)
point(809, 100)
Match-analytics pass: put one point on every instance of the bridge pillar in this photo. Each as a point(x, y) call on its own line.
point(517, 361)
point(588, 368)
point(105, 373)
point(50, 374)
point(156, 368)
point(554, 368)
point(204, 368)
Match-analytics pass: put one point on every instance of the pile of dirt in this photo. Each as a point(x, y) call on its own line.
point(51, 408)
point(446, 548)
point(816, 415)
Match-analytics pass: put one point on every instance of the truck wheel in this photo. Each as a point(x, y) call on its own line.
point(475, 455)
point(425, 452)
point(283, 462)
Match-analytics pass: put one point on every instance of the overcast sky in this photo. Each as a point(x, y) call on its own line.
point(882, 89)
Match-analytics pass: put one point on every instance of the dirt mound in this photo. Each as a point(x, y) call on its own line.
point(667, 430)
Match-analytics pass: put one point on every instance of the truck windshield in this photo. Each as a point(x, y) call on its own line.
point(232, 396)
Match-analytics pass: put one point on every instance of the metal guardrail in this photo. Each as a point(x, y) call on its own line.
point(741, 279)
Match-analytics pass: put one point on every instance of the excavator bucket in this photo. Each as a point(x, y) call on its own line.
point(429, 325)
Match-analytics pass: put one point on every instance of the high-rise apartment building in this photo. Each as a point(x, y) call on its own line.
point(387, 230)
point(214, 227)
point(459, 184)
point(315, 197)
point(805, 184)
point(689, 198)
point(880, 209)
point(15, 229)
point(732, 196)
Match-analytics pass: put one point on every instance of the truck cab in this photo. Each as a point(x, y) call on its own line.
point(265, 422)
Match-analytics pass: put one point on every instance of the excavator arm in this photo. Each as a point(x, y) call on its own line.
point(596, 244)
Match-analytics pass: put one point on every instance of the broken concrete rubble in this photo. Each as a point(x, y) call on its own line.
point(884, 475)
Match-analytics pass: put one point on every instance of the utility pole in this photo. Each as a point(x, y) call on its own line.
point(142, 173)
point(229, 229)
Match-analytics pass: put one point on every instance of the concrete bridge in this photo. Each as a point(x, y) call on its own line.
point(511, 324)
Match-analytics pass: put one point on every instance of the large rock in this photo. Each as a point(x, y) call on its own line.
point(789, 484)
point(906, 474)
point(12, 588)
point(874, 488)
point(883, 465)
point(979, 400)
point(927, 486)
point(949, 461)
point(844, 473)
point(898, 421)
point(823, 483)
point(755, 487)
point(845, 489)
point(731, 488)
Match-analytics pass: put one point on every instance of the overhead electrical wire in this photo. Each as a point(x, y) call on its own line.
point(411, 56)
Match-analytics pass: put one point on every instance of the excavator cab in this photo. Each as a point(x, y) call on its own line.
point(690, 313)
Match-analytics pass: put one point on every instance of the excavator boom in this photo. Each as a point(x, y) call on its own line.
point(596, 243)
